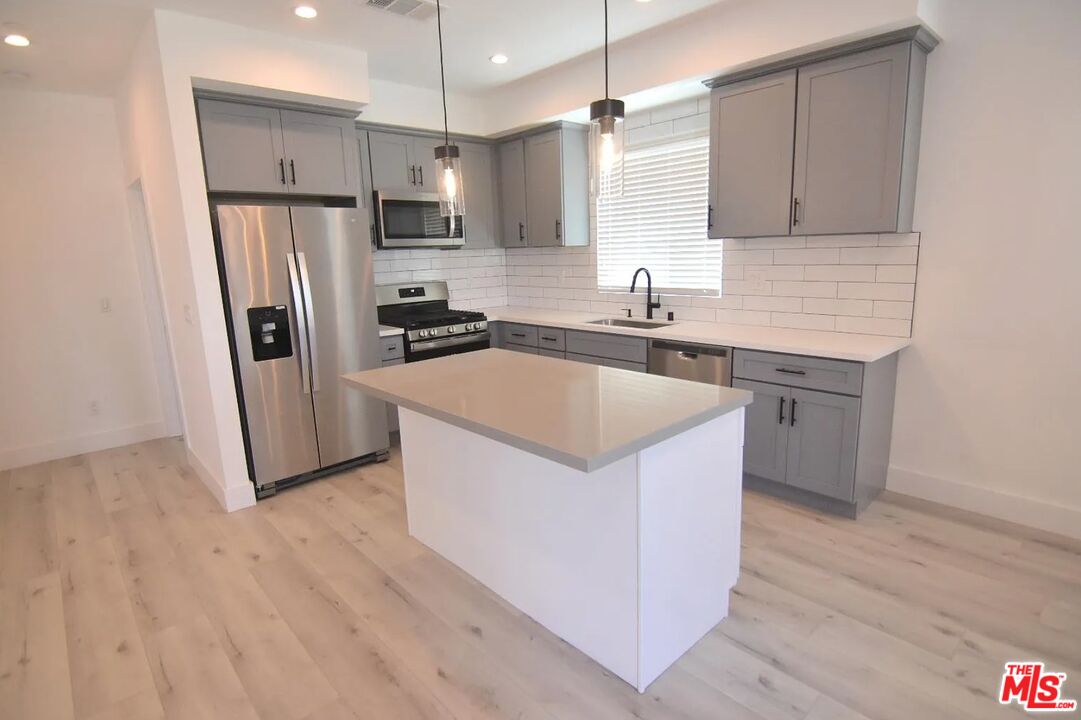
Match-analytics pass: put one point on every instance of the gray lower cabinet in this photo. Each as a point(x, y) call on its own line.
point(823, 429)
point(552, 353)
point(257, 149)
point(513, 195)
point(803, 442)
point(765, 437)
point(826, 143)
point(750, 156)
point(531, 350)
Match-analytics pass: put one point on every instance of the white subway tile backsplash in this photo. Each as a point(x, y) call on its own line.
point(874, 326)
point(682, 109)
point(841, 273)
point(806, 289)
point(877, 291)
point(879, 255)
point(747, 257)
point(829, 306)
point(839, 241)
point(693, 123)
point(771, 272)
point(802, 321)
point(807, 256)
point(896, 273)
point(891, 309)
point(768, 243)
point(649, 133)
point(773, 303)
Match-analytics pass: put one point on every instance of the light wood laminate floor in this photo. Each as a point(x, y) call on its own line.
point(126, 593)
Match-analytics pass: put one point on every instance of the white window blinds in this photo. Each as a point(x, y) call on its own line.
point(660, 221)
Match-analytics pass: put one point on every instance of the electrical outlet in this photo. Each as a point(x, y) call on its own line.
point(187, 314)
point(106, 305)
point(95, 407)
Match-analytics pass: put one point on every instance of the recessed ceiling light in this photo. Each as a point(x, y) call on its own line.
point(305, 11)
point(643, 1)
point(499, 59)
point(16, 40)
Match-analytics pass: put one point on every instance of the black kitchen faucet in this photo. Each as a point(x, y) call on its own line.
point(650, 305)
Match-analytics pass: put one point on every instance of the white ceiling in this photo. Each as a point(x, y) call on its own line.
point(83, 45)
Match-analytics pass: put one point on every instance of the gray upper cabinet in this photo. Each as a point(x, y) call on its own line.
point(850, 122)
point(765, 441)
point(822, 442)
point(424, 157)
point(479, 188)
point(513, 194)
point(750, 149)
point(256, 149)
point(243, 148)
point(393, 165)
point(544, 190)
point(557, 188)
point(320, 151)
point(821, 144)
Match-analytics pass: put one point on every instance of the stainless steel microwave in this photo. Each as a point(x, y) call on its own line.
point(411, 219)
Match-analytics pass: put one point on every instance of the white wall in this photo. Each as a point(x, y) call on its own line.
point(989, 395)
point(696, 46)
point(163, 151)
point(66, 247)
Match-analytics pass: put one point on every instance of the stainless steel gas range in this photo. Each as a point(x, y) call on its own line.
point(432, 328)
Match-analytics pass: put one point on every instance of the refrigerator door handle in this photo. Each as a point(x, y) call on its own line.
point(302, 323)
point(313, 344)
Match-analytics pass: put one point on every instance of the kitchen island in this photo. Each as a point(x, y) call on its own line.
point(603, 503)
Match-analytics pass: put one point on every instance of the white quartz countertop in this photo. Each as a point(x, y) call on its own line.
point(576, 414)
point(839, 346)
point(390, 331)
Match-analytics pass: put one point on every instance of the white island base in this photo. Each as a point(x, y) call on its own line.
point(631, 563)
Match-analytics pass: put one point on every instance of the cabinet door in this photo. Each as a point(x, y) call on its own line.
point(392, 161)
point(544, 189)
point(822, 442)
point(242, 147)
point(752, 130)
point(478, 184)
point(850, 121)
point(513, 194)
point(320, 155)
point(424, 158)
point(765, 431)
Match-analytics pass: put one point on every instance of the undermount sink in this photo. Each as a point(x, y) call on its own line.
point(631, 323)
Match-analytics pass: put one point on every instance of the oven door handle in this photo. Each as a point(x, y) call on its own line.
point(449, 342)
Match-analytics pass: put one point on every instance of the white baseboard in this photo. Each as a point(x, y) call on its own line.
point(66, 447)
point(1004, 506)
point(232, 498)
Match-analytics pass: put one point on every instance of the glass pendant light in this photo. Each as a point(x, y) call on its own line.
point(606, 137)
point(448, 161)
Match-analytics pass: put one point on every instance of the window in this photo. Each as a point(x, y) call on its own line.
point(660, 221)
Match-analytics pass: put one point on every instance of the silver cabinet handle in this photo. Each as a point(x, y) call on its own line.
point(521, 233)
point(795, 211)
point(293, 171)
point(789, 371)
point(420, 169)
point(559, 230)
point(309, 311)
point(302, 324)
point(413, 174)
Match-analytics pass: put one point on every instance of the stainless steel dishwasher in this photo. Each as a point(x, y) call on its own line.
point(701, 363)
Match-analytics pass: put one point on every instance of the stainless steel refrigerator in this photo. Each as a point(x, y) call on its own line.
point(301, 299)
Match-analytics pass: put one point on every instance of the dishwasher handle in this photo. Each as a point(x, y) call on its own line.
point(689, 350)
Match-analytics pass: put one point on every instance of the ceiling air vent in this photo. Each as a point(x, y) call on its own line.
point(415, 9)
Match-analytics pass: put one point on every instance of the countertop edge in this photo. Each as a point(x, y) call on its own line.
point(527, 316)
point(576, 462)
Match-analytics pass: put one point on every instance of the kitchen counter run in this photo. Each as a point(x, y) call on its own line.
point(579, 415)
point(815, 343)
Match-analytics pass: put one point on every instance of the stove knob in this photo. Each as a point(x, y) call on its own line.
point(451, 329)
point(424, 333)
point(470, 326)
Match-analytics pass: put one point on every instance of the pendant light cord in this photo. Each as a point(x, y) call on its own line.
point(605, 48)
point(442, 73)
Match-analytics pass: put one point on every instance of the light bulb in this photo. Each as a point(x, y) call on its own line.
point(608, 151)
point(450, 182)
